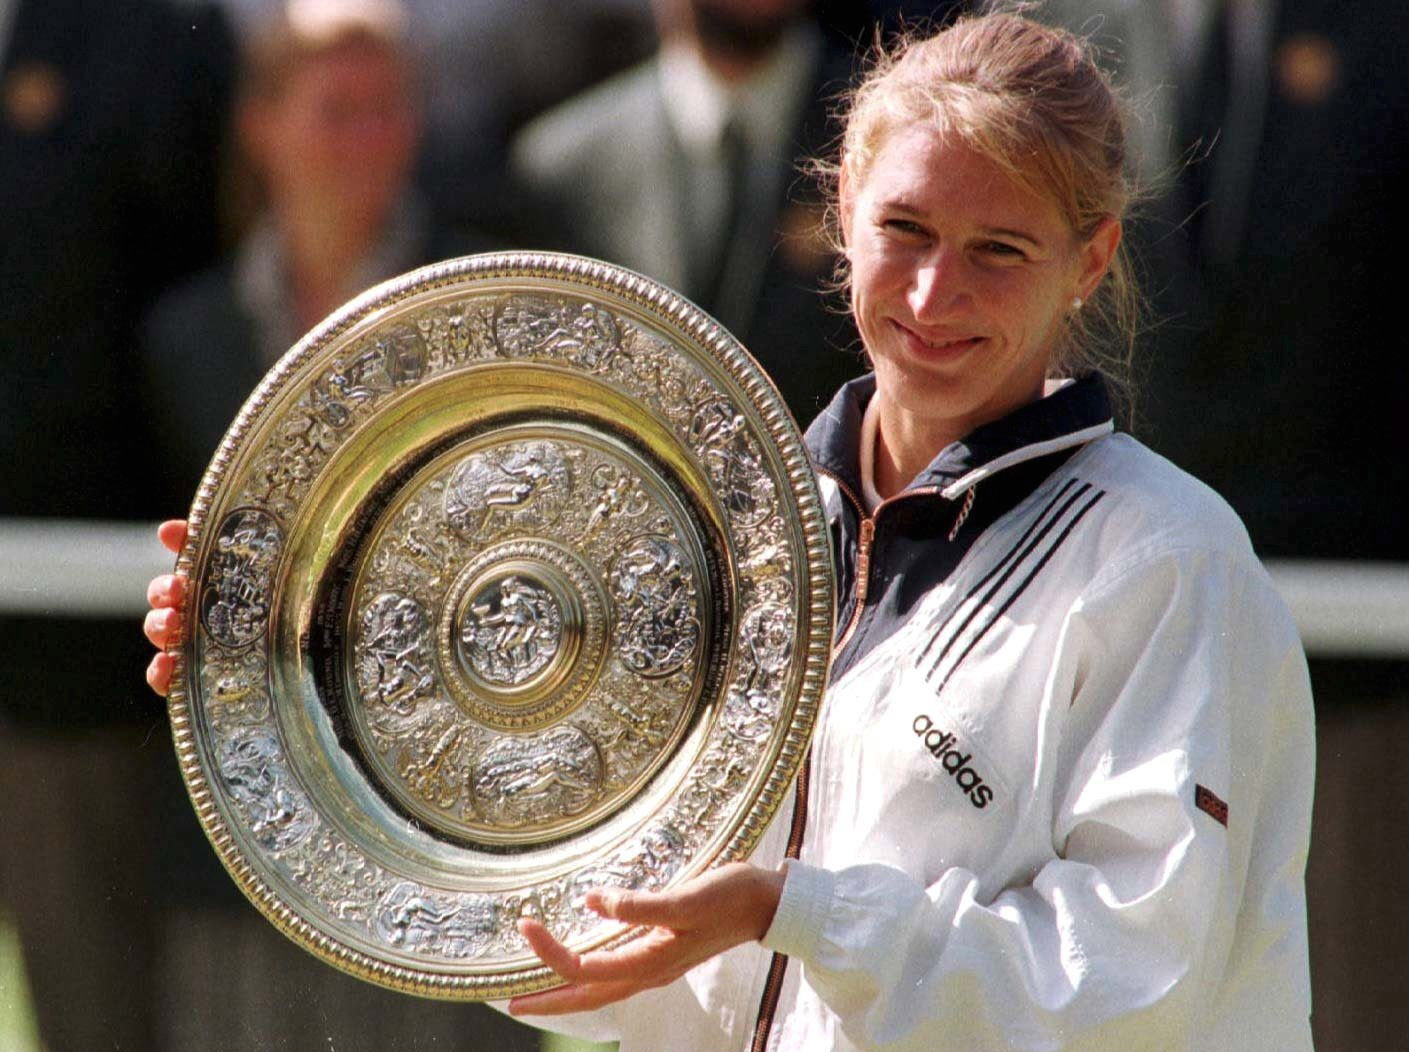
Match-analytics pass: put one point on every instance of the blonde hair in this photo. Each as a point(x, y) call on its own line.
point(1031, 99)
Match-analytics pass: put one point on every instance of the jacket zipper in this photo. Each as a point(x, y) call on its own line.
point(778, 966)
point(867, 538)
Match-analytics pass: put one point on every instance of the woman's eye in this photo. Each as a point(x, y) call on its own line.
point(903, 226)
point(1002, 248)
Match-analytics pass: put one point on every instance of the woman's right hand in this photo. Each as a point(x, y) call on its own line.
point(165, 594)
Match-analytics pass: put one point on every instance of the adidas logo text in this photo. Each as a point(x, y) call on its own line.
point(944, 747)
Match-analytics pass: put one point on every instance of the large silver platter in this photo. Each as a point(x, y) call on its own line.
point(509, 581)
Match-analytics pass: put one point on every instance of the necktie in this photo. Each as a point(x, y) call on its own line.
point(713, 254)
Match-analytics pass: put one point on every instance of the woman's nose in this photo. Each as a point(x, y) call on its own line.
point(935, 287)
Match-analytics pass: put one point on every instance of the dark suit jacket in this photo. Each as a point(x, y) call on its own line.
point(111, 118)
point(111, 122)
point(603, 172)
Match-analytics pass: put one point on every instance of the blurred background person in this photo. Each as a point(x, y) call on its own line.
point(484, 67)
point(685, 169)
point(328, 124)
point(112, 118)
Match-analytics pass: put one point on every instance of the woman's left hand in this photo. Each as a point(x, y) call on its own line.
point(690, 924)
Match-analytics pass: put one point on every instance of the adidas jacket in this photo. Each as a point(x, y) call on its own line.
point(1059, 794)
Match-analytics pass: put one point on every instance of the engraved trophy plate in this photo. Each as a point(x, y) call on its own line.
point(509, 581)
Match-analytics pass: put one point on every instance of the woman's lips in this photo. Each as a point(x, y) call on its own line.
point(936, 347)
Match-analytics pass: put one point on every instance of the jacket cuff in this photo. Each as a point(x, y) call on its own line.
point(802, 910)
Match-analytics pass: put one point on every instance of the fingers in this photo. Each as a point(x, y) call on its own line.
point(159, 673)
point(162, 626)
point(652, 959)
point(172, 534)
point(574, 998)
point(656, 909)
point(168, 590)
point(686, 925)
point(649, 960)
point(552, 952)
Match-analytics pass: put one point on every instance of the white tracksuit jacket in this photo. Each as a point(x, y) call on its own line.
point(1060, 789)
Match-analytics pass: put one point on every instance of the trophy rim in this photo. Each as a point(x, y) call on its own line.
point(701, 335)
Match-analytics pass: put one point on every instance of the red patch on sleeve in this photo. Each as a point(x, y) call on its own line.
point(1207, 801)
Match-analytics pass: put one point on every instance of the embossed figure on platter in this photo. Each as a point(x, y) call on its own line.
point(234, 682)
point(767, 638)
point(534, 477)
point(252, 768)
point(650, 863)
point(512, 630)
point(530, 327)
point(339, 874)
point(449, 926)
point(657, 624)
point(718, 430)
point(434, 767)
point(530, 779)
point(235, 604)
point(397, 662)
point(618, 494)
point(394, 358)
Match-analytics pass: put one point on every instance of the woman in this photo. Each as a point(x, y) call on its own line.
point(1059, 792)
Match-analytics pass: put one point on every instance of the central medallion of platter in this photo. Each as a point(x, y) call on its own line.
point(510, 629)
point(529, 627)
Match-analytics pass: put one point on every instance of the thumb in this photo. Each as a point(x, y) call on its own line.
point(172, 534)
point(657, 909)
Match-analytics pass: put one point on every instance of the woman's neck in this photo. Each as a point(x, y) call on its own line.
point(905, 445)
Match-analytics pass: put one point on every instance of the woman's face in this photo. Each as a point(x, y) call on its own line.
point(960, 279)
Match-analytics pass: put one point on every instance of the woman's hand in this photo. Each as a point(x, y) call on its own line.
point(689, 924)
point(165, 594)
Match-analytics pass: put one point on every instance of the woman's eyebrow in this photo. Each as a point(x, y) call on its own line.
point(901, 204)
point(1009, 232)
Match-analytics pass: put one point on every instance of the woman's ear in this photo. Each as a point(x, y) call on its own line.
point(1097, 254)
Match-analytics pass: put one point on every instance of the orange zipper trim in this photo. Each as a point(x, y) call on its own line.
point(863, 548)
point(863, 581)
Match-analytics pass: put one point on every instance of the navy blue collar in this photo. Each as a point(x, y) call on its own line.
point(1069, 417)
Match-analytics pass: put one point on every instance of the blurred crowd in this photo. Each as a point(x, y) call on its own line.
point(186, 187)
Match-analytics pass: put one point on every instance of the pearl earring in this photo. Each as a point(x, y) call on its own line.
point(1076, 302)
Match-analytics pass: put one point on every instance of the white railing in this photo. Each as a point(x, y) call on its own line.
point(86, 568)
